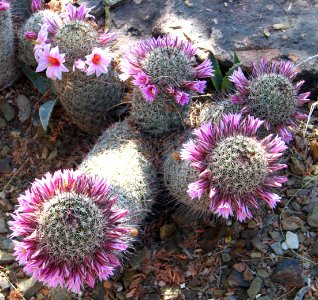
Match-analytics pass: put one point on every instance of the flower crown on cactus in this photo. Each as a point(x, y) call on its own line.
point(4, 5)
point(165, 64)
point(235, 168)
point(271, 95)
point(69, 230)
point(50, 59)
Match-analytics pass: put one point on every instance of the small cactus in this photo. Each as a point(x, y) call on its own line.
point(232, 168)
point(164, 70)
point(68, 231)
point(271, 95)
point(8, 64)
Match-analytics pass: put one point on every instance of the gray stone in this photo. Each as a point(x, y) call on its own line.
point(312, 217)
point(29, 287)
point(2, 296)
point(277, 248)
point(4, 283)
point(7, 245)
point(207, 24)
point(6, 258)
point(262, 273)
point(99, 5)
point(255, 287)
point(314, 249)
point(3, 225)
point(291, 241)
point(275, 235)
point(226, 257)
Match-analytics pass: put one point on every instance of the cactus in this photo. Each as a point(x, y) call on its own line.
point(231, 168)
point(21, 8)
point(271, 95)
point(164, 71)
point(68, 231)
point(118, 156)
point(8, 66)
point(31, 25)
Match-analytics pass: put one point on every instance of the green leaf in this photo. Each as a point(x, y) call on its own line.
point(39, 82)
point(217, 78)
point(45, 112)
point(236, 60)
point(226, 83)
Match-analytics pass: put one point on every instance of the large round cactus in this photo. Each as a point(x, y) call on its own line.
point(8, 66)
point(165, 74)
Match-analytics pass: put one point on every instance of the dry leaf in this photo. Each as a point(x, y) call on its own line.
point(282, 26)
point(314, 150)
point(266, 32)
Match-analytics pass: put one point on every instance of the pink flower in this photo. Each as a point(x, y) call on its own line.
point(106, 37)
point(141, 79)
point(78, 13)
point(181, 97)
point(196, 86)
point(78, 244)
point(30, 35)
point(53, 23)
point(52, 61)
point(235, 168)
point(41, 40)
point(4, 5)
point(36, 5)
point(204, 70)
point(80, 65)
point(150, 92)
point(98, 61)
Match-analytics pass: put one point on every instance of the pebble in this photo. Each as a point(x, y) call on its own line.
point(314, 249)
point(4, 283)
point(29, 287)
point(2, 296)
point(7, 245)
point(291, 241)
point(255, 287)
point(312, 217)
point(262, 273)
point(275, 235)
point(288, 272)
point(292, 223)
point(235, 280)
point(3, 225)
point(6, 258)
point(226, 257)
point(277, 248)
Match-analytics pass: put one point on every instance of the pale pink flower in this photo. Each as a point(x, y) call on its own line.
point(106, 37)
point(98, 61)
point(41, 40)
point(80, 65)
point(52, 61)
point(4, 5)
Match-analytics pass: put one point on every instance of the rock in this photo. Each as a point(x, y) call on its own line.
point(226, 257)
point(296, 166)
point(29, 287)
point(6, 258)
point(170, 292)
point(5, 167)
point(288, 272)
point(312, 217)
point(59, 294)
point(314, 249)
point(2, 123)
point(4, 283)
point(262, 273)
point(194, 282)
point(99, 5)
point(291, 241)
point(3, 225)
point(240, 267)
point(292, 223)
point(7, 245)
point(248, 275)
point(152, 297)
point(24, 106)
point(7, 110)
point(255, 287)
point(235, 280)
point(275, 235)
point(277, 248)
point(167, 230)
point(248, 234)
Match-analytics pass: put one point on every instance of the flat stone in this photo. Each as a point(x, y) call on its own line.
point(291, 241)
point(312, 217)
point(29, 287)
point(275, 235)
point(292, 223)
point(6, 258)
point(288, 272)
point(314, 249)
point(277, 248)
point(255, 287)
point(4, 283)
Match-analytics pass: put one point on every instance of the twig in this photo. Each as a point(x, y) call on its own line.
point(309, 58)
point(312, 108)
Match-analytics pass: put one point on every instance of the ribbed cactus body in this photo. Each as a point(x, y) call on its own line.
point(160, 116)
point(26, 53)
point(118, 157)
point(8, 66)
point(87, 99)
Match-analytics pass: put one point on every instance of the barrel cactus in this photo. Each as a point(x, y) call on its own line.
point(68, 230)
point(9, 71)
point(272, 95)
point(84, 81)
point(164, 74)
point(227, 169)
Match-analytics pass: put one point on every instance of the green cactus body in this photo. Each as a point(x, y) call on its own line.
point(87, 99)
point(8, 66)
point(117, 156)
point(21, 8)
point(161, 116)
point(26, 53)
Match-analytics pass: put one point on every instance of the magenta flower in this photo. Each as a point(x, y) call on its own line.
point(272, 95)
point(36, 5)
point(52, 61)
point(98, 61)
point(150, 92)
point(30, 35)
point(78, 13)
point(68, 230)
point(107, 37)
point(166, 62)
point(53, 23)
point(4, 5)
point(236, 169)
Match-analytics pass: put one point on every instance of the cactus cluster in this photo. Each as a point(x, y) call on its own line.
point(164, 71)
point(271, 95)
point(8, 66)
